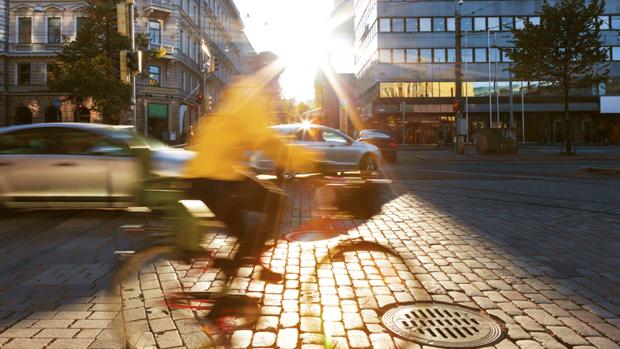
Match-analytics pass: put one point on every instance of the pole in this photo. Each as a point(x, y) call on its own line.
point(466, 93)
point(511, 120)
point(134, 120)
point(522, 117)
point(403, 105)
point(458, 80)
point(146, 118)
point(496, 50)
point(490, 95)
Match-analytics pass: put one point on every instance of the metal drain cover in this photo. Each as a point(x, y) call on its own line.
point(443, 325)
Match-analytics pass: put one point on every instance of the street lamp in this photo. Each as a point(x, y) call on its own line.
point(461, 131)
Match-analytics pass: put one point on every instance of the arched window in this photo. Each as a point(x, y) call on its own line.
point(81, 114)
point(52, 114)
point(23, 115)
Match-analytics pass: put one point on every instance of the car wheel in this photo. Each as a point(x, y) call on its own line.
point(367, 165)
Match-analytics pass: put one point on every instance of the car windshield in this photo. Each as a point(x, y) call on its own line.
point(374, 133)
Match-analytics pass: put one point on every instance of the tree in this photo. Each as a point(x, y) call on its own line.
point(88, 67)
point(563, 51)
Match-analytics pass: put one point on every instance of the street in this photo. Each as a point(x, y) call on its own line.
point(532, 240)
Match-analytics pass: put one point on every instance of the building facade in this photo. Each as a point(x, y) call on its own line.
point(175, 89)
point(179, 88)
point(405, 69)
point(335, 85)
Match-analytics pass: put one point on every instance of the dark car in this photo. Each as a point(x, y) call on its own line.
point(382, 140)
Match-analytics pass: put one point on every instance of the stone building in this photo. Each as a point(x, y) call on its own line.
point(179, 88)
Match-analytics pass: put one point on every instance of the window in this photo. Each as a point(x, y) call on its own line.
point(23, 74)
point(467, 24)
point(494, 54)
point(25, 30)
point(607, 53)
point(398, 56)
point(425, 24)
point(412, 55)
point(182, 39)
point(452, 55)
point(412, 24)
point(519, 23)
point(493, 23)
point(155, 32)
point(450, 26)
point(480, 55)
point(603, 22)
point(480, 23)
point(333, 136)
point(535, 20)
point(507, 23)
point(53, 30)
point(439, 24)
point(426, 55)
point(615, 22)
point(615, 53)
point(154, 75)
point(467, 55)
point(384, 25)
point(505, 57)
point(79, 25)
point(439, 55)
point(398, 25)
point(385, 56)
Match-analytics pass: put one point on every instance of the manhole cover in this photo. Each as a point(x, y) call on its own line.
point(311, 235)
point(443, 325)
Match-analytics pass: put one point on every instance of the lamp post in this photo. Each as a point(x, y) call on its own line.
point(458, 91)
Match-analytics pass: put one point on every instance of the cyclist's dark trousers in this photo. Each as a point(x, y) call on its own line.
point(228, 199)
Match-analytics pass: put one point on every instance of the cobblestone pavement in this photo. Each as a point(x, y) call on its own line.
point(541, 252)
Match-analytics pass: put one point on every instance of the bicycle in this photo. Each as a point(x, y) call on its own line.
point(184, 222)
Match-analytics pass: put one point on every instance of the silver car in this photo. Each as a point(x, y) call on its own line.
point(341, 153)
point(77, 165)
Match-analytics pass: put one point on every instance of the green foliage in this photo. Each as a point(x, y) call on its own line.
point(88, 67)
point(564, 50)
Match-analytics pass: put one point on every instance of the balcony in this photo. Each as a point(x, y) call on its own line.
point(159, 8)
point(35, 48)
point(166, 49)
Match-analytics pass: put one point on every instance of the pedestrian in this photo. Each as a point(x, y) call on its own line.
point(613, 136)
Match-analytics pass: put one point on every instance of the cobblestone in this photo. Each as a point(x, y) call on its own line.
point(545, 264)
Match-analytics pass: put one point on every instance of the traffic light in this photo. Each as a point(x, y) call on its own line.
point(122, 20)
point(135, 62)
point(125, 76)
point(214, 64)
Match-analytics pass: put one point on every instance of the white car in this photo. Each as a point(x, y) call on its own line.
point(341, 153)
point(77, 165)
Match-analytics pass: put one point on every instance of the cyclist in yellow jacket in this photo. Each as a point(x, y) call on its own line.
point(219, 174)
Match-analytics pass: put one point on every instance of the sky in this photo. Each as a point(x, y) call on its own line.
point(296, 31)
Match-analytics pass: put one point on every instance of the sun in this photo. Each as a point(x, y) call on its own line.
point(295, 30)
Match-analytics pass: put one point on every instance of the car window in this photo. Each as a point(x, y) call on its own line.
point(79, 142)
point(291, 134)
point(30, 141)
point(313, 134)
point(333, 136)
point(60, 141)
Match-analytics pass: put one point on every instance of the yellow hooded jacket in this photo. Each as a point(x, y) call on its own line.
point(241, 125)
